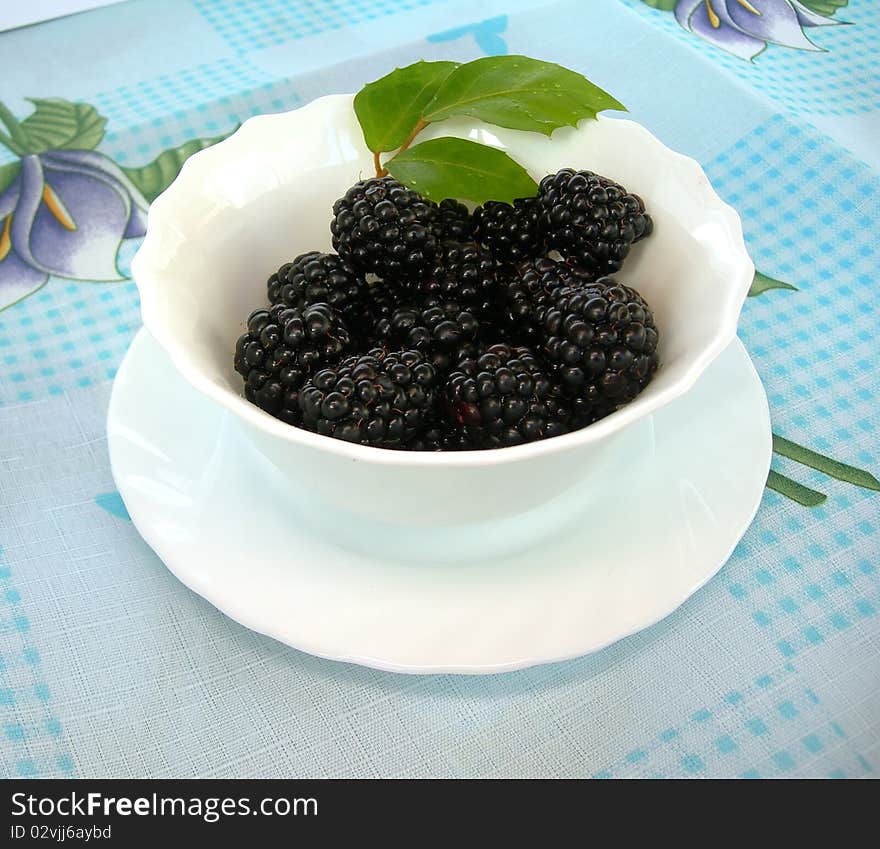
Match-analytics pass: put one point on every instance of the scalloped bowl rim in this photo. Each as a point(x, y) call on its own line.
point(642, 406)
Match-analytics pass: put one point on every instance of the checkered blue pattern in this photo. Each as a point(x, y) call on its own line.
point(33, 738)
point(844, 80)
point(167, 94)
point(805, 207)
point(254, 24)
point(108, 666)
point(67, 336)
point(205, 101)
point(773, 712)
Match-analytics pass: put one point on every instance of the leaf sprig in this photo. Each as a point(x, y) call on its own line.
point(509, 91)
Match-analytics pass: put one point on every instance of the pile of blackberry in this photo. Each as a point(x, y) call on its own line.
point(436, 328)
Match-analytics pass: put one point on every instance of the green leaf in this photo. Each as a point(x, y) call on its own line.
point(833, 468)
point(7, 174)
point(390, 108)
point(59, 124)
point(519, 93)
point(458, 168)
point(763, 283)
point(158, 175)
point(794, 490)
point(662, 5)
point(825, 7)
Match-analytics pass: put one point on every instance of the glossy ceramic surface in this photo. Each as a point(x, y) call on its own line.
point(625, 550)
point(241, 208)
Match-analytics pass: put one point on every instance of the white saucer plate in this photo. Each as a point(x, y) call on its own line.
point(634, 545)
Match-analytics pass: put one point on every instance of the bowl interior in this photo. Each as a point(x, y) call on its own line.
point(242, 208)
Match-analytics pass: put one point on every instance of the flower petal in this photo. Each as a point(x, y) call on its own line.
point(101, 165)
point(809, 18)
point(683, 11)
point(29, 198)
point(137, 223)
point(727, 37)
point(100, 213)
point(778, 23)
point(104, 165)
point(18, 279)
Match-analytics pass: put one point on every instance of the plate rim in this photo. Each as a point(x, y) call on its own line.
point(252, 622)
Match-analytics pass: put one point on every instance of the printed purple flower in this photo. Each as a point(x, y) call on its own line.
point(65, 214)
point(746, 27)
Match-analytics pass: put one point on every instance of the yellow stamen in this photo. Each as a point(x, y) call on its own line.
point(713, 18)
point(56, 207)
point(5, 239)
point(748, 6)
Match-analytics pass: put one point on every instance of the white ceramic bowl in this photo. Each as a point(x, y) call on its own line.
point(242, 207)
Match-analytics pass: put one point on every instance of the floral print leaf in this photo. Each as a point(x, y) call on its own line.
point(826, 465)
point(763, 283)
point(794, 490)
point(824, 7)
point(8, 173)
point(662, 5)
point(57, 124)
point(154, 178)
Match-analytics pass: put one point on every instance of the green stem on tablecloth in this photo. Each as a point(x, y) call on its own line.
point(826, 465)
point(794, 490)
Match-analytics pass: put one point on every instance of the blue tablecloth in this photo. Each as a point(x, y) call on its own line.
point(109, 666)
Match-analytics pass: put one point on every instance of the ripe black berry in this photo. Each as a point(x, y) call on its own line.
point(603, 342)
point(282, 348)
point(382, 227)
point(591, 218)
point(317, 278)
point(437, 328)
point(504, 398)
point(465, 273)
point(452, 222)
point(382, 398)
point(511, 232)
point(526, 296)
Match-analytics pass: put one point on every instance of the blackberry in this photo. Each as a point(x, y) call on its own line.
point(512, 233)
point(464, 272)
point(441, 330)
point(281, 349)
point(603, 341)
point(317, 278)
point(380, 226)
point(504, 398)
point(529, 287)
point(443, 436)
point(382, 398)
point(370, 321)
point(452, 222)
point(591, 218)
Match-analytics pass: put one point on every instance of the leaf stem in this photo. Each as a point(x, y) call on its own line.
point(420, 125)
point(794, 490)
point(17, 140)
point(381, 171)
